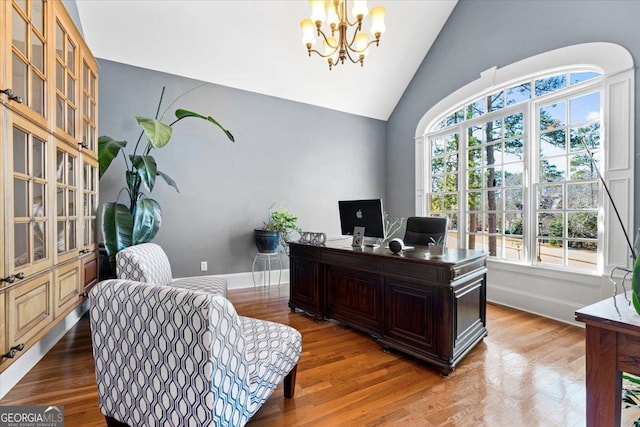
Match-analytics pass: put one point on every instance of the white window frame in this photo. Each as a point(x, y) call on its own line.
point(617, 121)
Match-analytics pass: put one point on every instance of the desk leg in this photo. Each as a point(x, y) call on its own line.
point(603, 380)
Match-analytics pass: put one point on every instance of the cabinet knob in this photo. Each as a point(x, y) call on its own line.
point(12, 278)
point(84, 251)
point(13, 351)
point(11, 95)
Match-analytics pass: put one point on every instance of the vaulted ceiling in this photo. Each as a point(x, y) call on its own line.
point(256, 46)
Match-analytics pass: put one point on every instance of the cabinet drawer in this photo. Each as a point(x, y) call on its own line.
point(89, 271)
point(67, 287)
point(29, 309)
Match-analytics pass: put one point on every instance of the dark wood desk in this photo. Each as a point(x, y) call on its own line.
point(433, 309)
point(612, 347)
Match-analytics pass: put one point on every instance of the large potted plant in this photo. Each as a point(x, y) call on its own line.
point(138, 222)
point(276, 231)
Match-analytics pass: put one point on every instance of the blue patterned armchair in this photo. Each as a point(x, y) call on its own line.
point(168, 356)
point(147, 262)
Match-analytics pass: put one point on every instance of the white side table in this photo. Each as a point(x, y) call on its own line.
point(266, 257)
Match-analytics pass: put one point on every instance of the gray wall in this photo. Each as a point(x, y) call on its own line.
point(302, 156)
point(481, 34)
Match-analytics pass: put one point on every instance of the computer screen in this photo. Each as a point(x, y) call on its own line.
point(362, 213)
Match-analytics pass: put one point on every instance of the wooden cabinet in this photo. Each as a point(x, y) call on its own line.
point(434, 310)
point(29, 309)
point(48, 164)
point(67, 287)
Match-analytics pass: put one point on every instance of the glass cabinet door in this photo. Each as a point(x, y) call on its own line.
point(66, 75)
point(67, 194)
point(28, 212)
point(89, 204)
point(26, 56)
point(89, 105)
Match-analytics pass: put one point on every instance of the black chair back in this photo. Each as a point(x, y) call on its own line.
point(421, 229)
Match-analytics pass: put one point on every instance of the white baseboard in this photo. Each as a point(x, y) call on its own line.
point(14, 373)
point(245, 279)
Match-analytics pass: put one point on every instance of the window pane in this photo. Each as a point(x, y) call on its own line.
point(513, 224)
point(452, 163)
point(19, 151)
point(581, 167)
point(60, 73)
point(514, 150)
point(583, 225)
point(71, 171)
point(39, 201)
point(513, 174)
point(19, 78)
point(39, 153)
point(514, 125)
point(550, 197)
point(87, 232)
point(583, 255)
point(435, 202)
point(494, 130)
point(494, 154)
point(21, 244)
point(60, 166)
point(513, 248)
point(474, 179)
point(513, 199)
point(585, 108)
point(72, 203)
point(474, 200)
point(19, 32)
point(59, 42)
point(60, 108)
point(495, 101)
point(589, 135)
point(40, 241)
point(71, 57)
point(476, 109)
point(37, 17)
point(552, 116)
point(71, 120)
point(72, 235)
point(60, 203)
point(37, 52)
point(71, 89)
point(20, 198)
point(553, 170)
point(519, 93)
point(553, 143)
point(37, 98)
point(583, 195)
point(62, 237)
point(550, 84)
point(581, 77)
point(451, 202)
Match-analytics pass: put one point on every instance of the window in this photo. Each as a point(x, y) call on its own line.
point(514, 167)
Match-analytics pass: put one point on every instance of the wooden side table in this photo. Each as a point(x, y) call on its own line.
point(612, 347)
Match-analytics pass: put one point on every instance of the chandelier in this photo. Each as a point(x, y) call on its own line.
point(340, 45)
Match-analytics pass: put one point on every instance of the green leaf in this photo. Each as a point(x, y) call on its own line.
point(108, 149)
point(169, 180)
point(146, 223)
point(157, 132)
point(147, 169)
point(181, 114)
point(117, 228)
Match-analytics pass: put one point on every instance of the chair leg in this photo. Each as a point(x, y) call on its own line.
point(290, 383)
point(112, 422)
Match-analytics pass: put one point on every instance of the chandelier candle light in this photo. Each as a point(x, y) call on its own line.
point(339, 46)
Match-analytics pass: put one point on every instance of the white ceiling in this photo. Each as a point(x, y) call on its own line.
point(256, 46)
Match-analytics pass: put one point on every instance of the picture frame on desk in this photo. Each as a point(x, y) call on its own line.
point(358, 237)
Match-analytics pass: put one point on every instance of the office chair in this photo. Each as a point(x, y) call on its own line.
point(421, 229)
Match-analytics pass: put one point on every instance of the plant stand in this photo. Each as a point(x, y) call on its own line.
point(266, 257)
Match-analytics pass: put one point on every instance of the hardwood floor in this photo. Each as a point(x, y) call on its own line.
point(529, 371)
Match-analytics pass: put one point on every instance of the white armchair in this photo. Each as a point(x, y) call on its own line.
point(147, 262)
point(167, 356)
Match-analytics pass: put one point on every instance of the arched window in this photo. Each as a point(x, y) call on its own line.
point(512, 159)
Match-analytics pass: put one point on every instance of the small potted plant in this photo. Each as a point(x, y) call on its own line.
point(276, 231)
point(436, 247)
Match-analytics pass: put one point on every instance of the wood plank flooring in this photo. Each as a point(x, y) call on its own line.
point(529, 371)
